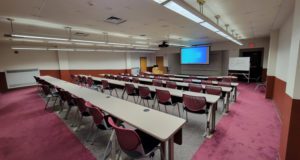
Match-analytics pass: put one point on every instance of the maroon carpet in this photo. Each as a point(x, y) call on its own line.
point(29, 133)
point(250, 131)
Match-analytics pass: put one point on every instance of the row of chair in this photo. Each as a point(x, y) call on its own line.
point(164, 97)
point(134, 143)
point(162, 77)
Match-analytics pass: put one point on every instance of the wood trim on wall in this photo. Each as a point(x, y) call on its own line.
point(289, 111)
point(3, 84)
point(270, 87)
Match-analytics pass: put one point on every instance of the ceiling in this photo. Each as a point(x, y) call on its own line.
point(250, 19)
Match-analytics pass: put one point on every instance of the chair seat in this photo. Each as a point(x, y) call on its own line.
point(166, 103)
point(198, 112)
point(85, 114)
point(148, 98)
point(148, 142)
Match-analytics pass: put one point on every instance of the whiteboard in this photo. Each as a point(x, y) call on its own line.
point(21, 78)
point(239, 63)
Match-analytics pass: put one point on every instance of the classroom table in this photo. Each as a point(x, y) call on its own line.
point(210, 99)
point(225, 90)
point(234, 85)
point(166, 128)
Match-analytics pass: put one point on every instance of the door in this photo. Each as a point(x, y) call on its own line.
point(143, 64)
point(256, 57)
point(160, 63)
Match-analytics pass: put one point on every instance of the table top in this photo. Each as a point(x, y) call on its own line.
point(233, 84)
point(182, 84)
point(174, 92)
point(155, 123)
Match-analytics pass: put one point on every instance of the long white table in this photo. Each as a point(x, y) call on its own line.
point(158, 124)
point(180, 82)
point(225, 90)
point(211, 99)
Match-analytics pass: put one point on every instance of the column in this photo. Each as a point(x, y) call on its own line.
point(63, 61)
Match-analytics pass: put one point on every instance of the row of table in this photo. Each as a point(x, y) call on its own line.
point(165, 127)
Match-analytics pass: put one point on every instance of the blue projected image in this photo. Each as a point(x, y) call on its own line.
point(195, 55)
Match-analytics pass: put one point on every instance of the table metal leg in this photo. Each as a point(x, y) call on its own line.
point(171, 148)
point(235, 93)
point(163, 150)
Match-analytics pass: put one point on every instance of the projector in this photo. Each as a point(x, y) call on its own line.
point(164, 44)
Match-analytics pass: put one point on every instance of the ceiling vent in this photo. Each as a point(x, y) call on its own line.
point(115, 20)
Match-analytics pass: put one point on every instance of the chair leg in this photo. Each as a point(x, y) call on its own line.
point(166, 109)
point(75, 118)
point(148, 103)
point(141, 100)
point(79, 123)
point(68, 111)
point(134, 99)
point(91, 131)
point(178, 110)
point(46, 106)
point(186, 116)
point(116, 93)
point(158, 106)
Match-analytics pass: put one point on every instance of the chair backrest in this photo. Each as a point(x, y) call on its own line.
point(135, 80)
point(214, 90)
point(80, 103)
point(69, 97)
point(120, 78)
point(128, 139)
point(171, 84)
point(227, 79)
point(225, 84)
point(129, 88)
point(209, 82)
point(90, 82)
point(157, 83)
point(62, 94)
point(144, 91)
point(163, 96)
point(105, 84)
point(46, 89)
point(97, 114)
point(195, 87)
point(188, 80)
point(212, 78)
point(83, 79)
point(126, 79)
point(194, 103)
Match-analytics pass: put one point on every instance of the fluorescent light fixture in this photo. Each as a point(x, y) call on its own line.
point(153, 49)
point(60, 49)
point(87, 41)
point(209, 26)
point(176, 44)
point(160, 1)
point(84, 44)
point(222, 34)
point(139, 45)
point(29, 48)
point(103, 50)
point(85, 50)
point(141, 42)
point(27, 40)
point(39, 37)
point(182, 11)
point(59, 42)
point(119, 44)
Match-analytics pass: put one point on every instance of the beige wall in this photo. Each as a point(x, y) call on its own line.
point(26, 59)
point(234, 49)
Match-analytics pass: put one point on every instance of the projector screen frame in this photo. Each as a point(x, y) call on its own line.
point(209, 49)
